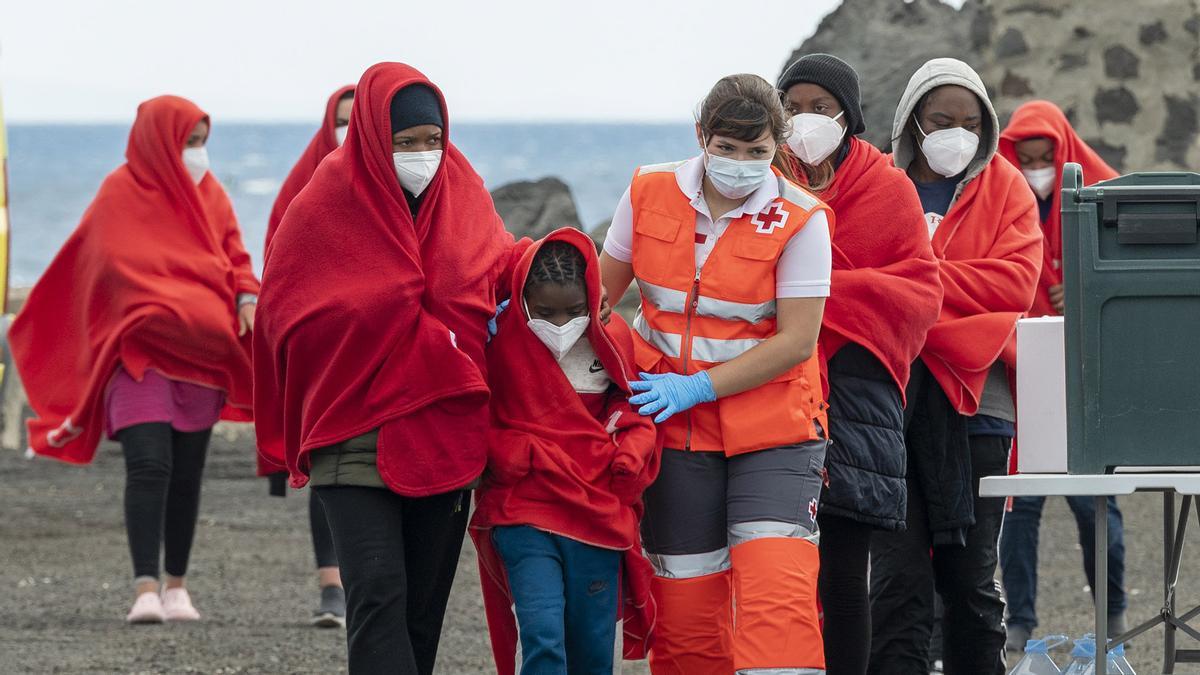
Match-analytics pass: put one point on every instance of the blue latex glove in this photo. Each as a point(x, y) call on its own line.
point(671, 393)
point(492, 327)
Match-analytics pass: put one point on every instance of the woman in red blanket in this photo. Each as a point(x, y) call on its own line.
point(982, 223)
point(886, 295)
point(331, 611)
point(138, 329)
point(556, 522)
point(1039, 141)
point(331, 135)
point(369, 358)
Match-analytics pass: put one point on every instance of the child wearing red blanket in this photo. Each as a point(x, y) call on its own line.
point(556, 521)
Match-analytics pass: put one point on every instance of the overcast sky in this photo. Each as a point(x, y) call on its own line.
point(94, 60)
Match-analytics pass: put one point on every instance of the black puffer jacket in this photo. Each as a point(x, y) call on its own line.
point(866, 459)
point(939, 458)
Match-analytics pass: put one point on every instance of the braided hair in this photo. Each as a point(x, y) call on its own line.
point(557, 262)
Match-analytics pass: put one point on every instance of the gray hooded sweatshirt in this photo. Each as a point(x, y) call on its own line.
point(996, 400)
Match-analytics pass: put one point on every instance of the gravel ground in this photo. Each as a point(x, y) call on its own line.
point(65, 578)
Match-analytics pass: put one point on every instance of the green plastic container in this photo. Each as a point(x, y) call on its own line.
point(1131, 269)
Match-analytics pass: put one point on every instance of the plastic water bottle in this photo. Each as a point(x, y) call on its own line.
point(1037, 659)
point(1083, 657)
point(1117, 663)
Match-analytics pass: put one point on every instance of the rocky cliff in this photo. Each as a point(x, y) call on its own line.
point(1126, 73)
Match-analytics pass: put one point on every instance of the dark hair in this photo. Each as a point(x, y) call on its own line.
point(557, 262)
point(744, 107)
point(346, 96)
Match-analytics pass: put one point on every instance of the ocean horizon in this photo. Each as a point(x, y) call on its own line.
point(56, 168)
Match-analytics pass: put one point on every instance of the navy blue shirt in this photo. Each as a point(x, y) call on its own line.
point(935, 201)
point(1044, 206)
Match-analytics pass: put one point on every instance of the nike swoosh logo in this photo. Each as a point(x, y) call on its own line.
point(595, 367)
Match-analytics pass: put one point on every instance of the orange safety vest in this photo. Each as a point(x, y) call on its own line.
point(693, 320)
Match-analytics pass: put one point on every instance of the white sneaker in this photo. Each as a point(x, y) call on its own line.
point(177, 605)
point(148, 608)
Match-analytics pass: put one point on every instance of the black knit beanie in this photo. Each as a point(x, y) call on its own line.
point(415, 105)
point(836, 76)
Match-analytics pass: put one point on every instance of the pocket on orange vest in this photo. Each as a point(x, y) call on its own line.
point(774, 414)
point(656, 249)
point(657, 224)
point(758, 248)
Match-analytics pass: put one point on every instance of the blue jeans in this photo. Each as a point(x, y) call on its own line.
point(565, 593)
point(1019, 554)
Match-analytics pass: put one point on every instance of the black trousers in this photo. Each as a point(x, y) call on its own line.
point(397, 556)
point(845, 552)
point(163, 472)
point(322, 538)
point(905, 575)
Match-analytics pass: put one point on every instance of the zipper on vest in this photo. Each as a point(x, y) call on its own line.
point(693, 303)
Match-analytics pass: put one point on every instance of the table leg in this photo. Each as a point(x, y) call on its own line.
point(1168, 587)
point(1100, 592)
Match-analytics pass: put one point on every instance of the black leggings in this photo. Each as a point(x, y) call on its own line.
point(321, 537)
point(397, 556)
point(163, 471)
point(845, 553)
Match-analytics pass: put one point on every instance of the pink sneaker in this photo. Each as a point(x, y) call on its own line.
point(177, 605)
point(148, 608)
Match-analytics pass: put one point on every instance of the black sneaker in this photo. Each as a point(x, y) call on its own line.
point(332, 611)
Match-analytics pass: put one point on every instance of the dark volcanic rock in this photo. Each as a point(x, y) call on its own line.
point(1179, 132)
point(1012, 43)
point(886, 41)
point(1114, 155)
point(1152, 33)
point(1120, 63)
point(535, 208)
point(1115, 105)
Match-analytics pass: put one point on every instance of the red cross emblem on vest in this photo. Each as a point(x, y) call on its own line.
point(770, 219)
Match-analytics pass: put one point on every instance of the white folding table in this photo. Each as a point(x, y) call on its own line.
point(1187, 485)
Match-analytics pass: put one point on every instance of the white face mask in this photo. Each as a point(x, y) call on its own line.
point(558, 339)
point(949, 151)
point(340, 134)
point(195, 160)
point(736, 178)
point(1041, 180)
point(814, 137)
point(416, 169)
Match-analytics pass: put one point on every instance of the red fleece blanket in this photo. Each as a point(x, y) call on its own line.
point(989, 248)
point(1043, 119)
point(886, 292)
point(371, 319)
point(553, 466)
point(322, 143)
point(149, 279)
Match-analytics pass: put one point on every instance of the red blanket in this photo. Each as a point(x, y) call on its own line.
point(373, 319)
point(886, 291)
point(1043, 119)
point(989, 248)
point(554, 466)
point(322, 143)
point(149, 279)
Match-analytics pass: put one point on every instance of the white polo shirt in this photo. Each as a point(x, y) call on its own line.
point(803, 269)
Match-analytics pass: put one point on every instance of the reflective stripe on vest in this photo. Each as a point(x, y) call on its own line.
point(670, 344)
point(711, 350)
point(670, 300)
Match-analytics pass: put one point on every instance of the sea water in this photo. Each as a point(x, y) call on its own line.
point(55, 170)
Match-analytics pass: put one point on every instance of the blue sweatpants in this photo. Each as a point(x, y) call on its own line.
point(565, 594)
